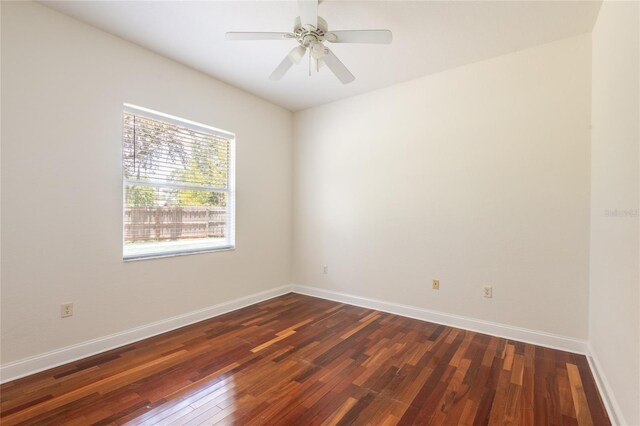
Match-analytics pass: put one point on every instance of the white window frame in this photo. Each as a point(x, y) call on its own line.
point(230, 190)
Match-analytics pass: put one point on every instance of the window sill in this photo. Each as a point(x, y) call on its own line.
point(133, 258)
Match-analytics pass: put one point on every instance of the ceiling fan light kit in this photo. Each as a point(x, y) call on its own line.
point(311, 31)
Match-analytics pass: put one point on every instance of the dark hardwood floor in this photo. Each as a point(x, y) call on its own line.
point(298, 360)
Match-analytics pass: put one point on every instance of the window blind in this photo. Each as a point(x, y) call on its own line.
point(178, 185)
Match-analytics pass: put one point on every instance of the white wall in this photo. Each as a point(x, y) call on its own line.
point(614, 308)
point(63, 86)
point(475, 176)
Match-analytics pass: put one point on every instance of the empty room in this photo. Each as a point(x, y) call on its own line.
point(331, 212)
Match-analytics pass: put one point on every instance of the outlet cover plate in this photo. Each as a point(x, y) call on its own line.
point(66, 310)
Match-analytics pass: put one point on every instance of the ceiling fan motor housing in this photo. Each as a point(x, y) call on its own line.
point(309, 35)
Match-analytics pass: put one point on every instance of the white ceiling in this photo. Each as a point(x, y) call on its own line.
point(428, 37)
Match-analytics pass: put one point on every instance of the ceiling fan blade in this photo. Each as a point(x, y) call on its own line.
point(337, 67)
point(293, 57)
point(360, 36)
point(308, 12)
point(258, 36)
point(297, 53)
point(281, 69)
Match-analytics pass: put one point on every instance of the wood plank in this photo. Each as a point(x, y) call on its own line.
point(583, 415)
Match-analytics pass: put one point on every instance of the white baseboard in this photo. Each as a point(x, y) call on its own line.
point(495, 329)
point(27, 366)
point(608, 397)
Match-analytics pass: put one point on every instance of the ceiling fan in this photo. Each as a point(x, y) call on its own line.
point(311, 31)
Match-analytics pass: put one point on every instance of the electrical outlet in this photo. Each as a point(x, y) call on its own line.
point(66, 310)
point(488, 292)
point(436, 284)
point(325, 269)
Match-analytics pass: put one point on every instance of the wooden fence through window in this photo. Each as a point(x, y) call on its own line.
point(173, 223)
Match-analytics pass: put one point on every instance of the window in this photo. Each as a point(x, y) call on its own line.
point(178, 179)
